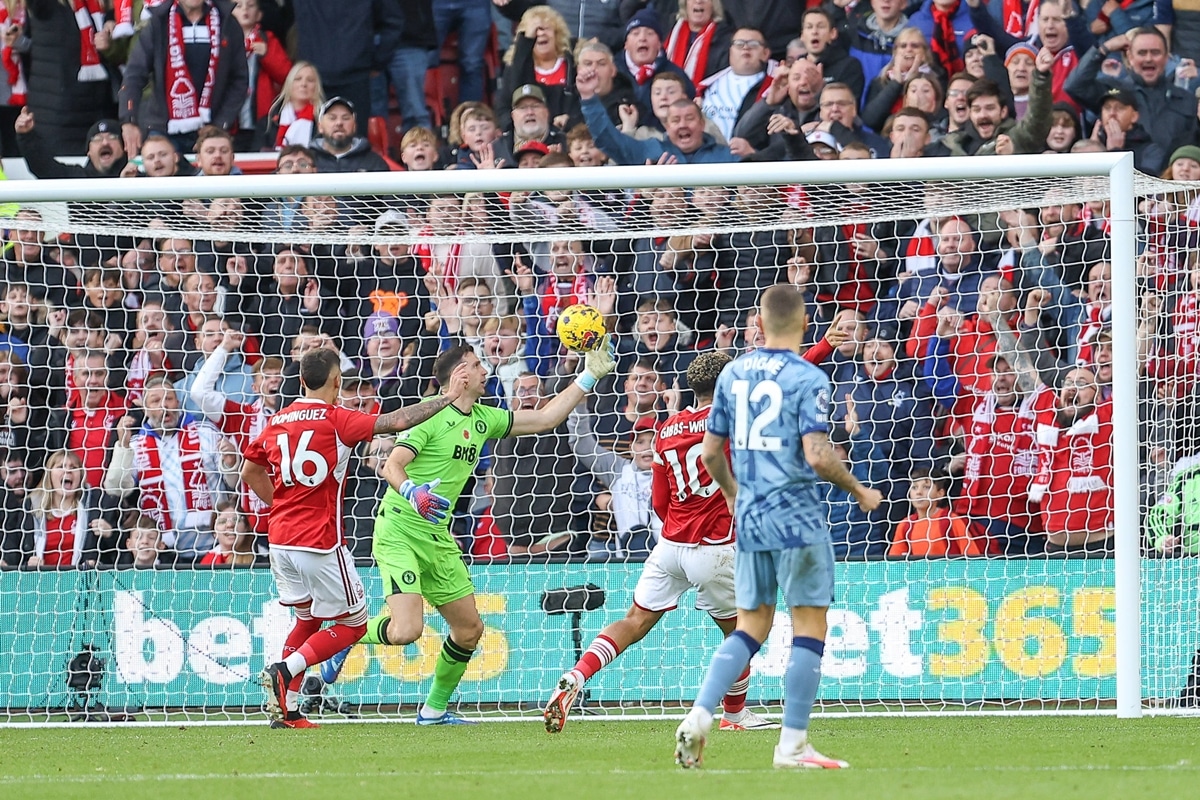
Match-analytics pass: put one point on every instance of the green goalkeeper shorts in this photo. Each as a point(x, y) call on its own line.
point(424, 563)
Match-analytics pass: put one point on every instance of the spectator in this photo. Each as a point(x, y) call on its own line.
point(192, 55)
point(1001, 461)
point(226, 534)
point(240, 420)
point(659, 338)
point(581, 148)
point(69, 85)
point(1051, 30)
point(1120, 129)
point(180, 466)
point(699, 42)
point(105, 152)
point(990, 131)
point(88, 423)
point(387, 362)
point(819, 30)
point(453, 258)
point(385, 280)
point(480, 146)
point(641, 399)
point(839, 116)
point(530, 120)
point(472, 20)
point(419, 151)
point(1018, 62)
point(912, 60)
point(873, 36)
point(614, 88)
point(337, 148)
point(235, 381)
point(364, 478)
point(292, 299)
point(687, 143)
point(345, 42)
point(909, 132)
point(932, 530)
point(66, 516)
point(17, 533)
point(795, 94)
point(855, 533)
point(541, 54)
point(267, 69)
point(532, 492)
point(1074, 481)
point(627, 480)
point(407, 68)
point(644, 58)
point(13, 42)
point(143, 544)
point(159, 159)
point(733, 90)
point(156, 348)
point(315, 212)
point(1065, 128)
point(1146, 54)
point(945, 24)
point(291, 118)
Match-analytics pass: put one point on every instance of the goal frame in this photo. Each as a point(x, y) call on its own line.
point(1116, 167)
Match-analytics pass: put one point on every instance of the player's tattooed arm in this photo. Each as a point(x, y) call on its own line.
point(828, 465)
point(404, 418)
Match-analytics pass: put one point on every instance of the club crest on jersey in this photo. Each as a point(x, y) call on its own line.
point(480, 427)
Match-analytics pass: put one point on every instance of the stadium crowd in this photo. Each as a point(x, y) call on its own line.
point(970, 355)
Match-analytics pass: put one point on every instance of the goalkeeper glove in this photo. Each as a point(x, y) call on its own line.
point(430, 505)
point(597, 363)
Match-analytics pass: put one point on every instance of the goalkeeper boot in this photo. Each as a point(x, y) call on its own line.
point(805, 758)
point(294, 720)
point(559, 707)
point(690, 738)
point(447, 718)
point(747, 721)
point(331, 667)
point(274, 680)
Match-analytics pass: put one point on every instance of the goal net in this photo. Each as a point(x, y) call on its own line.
point(970, 322)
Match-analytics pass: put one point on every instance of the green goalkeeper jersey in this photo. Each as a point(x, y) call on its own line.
point(448, 446)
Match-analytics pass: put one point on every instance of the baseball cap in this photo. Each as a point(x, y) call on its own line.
point(824, 137)
point(381, 323)
point(104, 126)
point(336, 101)
point(646, 18)
point(391, 219)
point(1019, 48)
point(532, 146)
point(528, 90)
point(1122, 96)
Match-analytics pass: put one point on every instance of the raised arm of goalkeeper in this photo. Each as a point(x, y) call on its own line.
point(596, 365)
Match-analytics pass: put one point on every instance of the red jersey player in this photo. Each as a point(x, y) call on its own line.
point(297, 466)
point(695, 550)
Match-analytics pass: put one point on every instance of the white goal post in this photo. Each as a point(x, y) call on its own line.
point(1107, 176)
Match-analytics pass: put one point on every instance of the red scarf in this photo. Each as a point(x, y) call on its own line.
point(90, 17)
point(12, 61)
point(644, 73)
point(944, 42)
point(560, 294)
point(691, 58)
point(1065, 61)
point(187, 112)
point(424, 254)
point(153, 494)
point(123, 14)
point(1022, 26)
point(254, 36)
point(288, 117)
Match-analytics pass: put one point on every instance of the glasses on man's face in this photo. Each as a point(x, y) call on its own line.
point(106, 137)
point(746, 44)
point(469, 300)
point(295, 166)
point(836, 103)
point(957, 93)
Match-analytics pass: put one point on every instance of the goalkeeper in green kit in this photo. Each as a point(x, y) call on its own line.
point(417, 556)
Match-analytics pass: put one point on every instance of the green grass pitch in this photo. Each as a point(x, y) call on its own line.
point(961, 757)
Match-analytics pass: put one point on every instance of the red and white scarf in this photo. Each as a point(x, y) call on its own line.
point(123, 14)
point(13, 65)
point(563, 293)
point(446, 269)
point(693, 58)
point(944, 41)
point(1020, 25)
point(152, 490)
point(295, 126)
point(188, 111)
point(89, 15)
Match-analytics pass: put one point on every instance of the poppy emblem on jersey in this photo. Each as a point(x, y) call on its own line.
point(467, 435)
point(409, 577)
point(480, 426)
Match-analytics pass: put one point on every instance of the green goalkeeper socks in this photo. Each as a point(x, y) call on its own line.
point(451, 664)
point(377, 630)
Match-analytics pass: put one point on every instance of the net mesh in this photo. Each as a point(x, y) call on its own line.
point(965, 326)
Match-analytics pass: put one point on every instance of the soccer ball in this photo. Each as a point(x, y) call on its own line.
point(580, 327)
